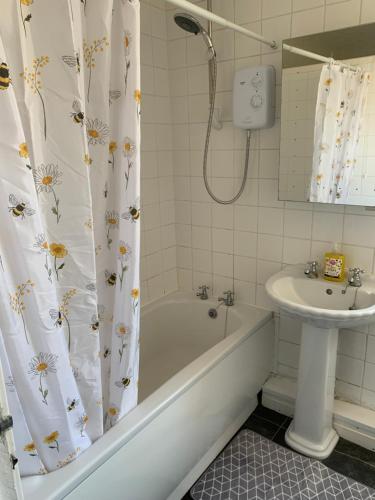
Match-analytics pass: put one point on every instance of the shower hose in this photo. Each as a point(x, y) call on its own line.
point(212, 92)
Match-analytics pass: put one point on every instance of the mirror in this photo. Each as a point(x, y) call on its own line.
point(354, 46)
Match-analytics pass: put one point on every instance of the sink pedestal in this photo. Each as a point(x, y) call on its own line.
point(311, 431)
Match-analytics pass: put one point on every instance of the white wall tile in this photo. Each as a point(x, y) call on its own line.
point(348, 392)
point(296, 251)
point(358, 228)
point(158, 23)
point(245, 244)
point(244, 292)
point(245, 268)
point(258, 234)
point(201, 238)
point(223, 264)
point(327, 227)
point(273, 8)
point(265, 269)
point(270, 247)
point(358, 257)
point(369, 377)
point(306, 4)
point(245, 46)
point(269, 164)
point(290, 329)
point(288, 354)
point(245, 218)
point(307, 22)
point(271, 221)
point(343, 14)
point(368, 399)
point(370, 353)
point(184, 257)
point(247, 11)
point(352, 344)
point(297, 224)
point(368, 11)
point(201, 214)
point(220, 284)
point(222, 240)
point(349, 369)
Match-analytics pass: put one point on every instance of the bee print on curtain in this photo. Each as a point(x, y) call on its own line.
point(69, 273)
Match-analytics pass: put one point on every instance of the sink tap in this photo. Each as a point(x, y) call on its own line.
point(354, 278)
point(202, 292)
point(312, 269)
point(228, 298)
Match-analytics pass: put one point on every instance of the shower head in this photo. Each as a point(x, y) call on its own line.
point(188, 23)
point(191, 25)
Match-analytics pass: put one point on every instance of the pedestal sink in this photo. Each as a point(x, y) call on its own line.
point(323, 309)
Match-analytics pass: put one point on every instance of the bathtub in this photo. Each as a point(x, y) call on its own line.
point(199, 378)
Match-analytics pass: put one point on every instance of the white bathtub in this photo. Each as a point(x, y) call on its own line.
point(198, 382)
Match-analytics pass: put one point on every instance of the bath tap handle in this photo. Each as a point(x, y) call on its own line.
point(228, 298)
point(202, 292)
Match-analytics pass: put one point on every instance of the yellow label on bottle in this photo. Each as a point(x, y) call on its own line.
point(334, 267)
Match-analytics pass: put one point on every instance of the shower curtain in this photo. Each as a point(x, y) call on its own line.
point(69, 234)
point(339, 109)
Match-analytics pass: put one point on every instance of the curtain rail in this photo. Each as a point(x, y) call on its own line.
point(316, 57)
point(210, 16)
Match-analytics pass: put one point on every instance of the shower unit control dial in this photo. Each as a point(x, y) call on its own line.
point(254, 97)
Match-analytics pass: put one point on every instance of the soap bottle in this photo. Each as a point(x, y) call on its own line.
point(334, 264)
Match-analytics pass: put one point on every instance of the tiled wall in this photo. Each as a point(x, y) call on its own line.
point(256, 236)
point(158, 244)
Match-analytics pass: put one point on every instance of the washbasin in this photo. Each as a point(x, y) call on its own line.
point(323, 308)
point(322, 303)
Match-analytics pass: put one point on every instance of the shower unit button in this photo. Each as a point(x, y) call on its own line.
point(254, 97)
point(256, 101)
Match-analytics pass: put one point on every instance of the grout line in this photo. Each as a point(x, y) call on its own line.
point(286, 419)
point(273, 437)
point(268, 421)
point(356, 458)
point(279, 429)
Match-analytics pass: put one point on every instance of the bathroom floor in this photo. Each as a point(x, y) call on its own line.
point(348, 459)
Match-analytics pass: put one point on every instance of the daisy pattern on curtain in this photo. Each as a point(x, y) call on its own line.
point(69, 321)
point(339, 109)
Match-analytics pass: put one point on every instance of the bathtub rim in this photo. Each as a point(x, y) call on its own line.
point(57, 484)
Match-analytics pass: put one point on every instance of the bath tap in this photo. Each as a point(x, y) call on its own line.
point(202, 292)
point(228, 298)
point(312, 269)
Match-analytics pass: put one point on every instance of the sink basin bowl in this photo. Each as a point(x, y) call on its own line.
point(320, 302)
point(323, 309)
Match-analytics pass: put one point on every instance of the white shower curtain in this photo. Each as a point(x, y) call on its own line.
point(69, 234)
point(339, 110)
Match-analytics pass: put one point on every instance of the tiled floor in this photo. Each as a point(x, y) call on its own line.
point(349, 459)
